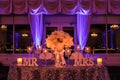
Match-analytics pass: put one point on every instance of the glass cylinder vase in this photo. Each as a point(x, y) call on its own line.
point(59, 59)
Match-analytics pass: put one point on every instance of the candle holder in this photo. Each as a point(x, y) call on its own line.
point(78, 48)
point(29, 50)
point(39, 48)
point(19, 61)
point(99, 61)
point(87, 51)
point(45, 52)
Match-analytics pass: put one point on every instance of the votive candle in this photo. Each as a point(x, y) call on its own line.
point(78, 47)
point(19, 61)
point(99, 61)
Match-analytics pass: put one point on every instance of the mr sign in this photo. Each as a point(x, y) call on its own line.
point(29, 62)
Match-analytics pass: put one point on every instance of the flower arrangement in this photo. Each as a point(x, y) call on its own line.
point(58, 40)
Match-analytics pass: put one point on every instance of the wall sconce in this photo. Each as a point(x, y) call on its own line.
point(114, 27)
point(24, 35)
point(94, 34)
point(4, 27)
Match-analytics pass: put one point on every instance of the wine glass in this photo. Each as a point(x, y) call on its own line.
point(87, 51)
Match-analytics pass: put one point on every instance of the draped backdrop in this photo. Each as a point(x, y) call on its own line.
point(83, 21)
point(82, 8)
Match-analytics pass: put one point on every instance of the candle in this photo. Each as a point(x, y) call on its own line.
point(39, 47)
point(78, 47)
point(29, 49)
point(99, 61)
point(68, 50)
point(87, 50)
point(19, 61)
point(45, 50)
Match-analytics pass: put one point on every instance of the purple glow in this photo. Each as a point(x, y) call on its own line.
point(36, 24)
point(17, 35)
point(111, 39)
point(83, 25)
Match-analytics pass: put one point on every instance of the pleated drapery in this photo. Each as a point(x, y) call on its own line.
point(36, 20)
point(83, 8)
point(58, 6)
point(84, 13)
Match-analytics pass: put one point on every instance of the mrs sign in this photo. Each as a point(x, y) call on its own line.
point(84, 62)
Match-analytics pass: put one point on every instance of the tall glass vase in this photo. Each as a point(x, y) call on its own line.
point(59, 59)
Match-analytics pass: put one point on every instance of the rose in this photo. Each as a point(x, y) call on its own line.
point(59, 40)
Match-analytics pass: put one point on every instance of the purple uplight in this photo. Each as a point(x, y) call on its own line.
point(83, 25)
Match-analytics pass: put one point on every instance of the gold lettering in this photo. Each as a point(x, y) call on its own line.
point(34, 62)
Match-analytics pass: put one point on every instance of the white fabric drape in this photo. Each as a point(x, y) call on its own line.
point(83, 8)
point(36, 24)
point(36, 20)
point(114, 6)
point(51, 6)
point(5, 7)
point(83, 26)
point(20, 6)
point(100, 6)
point(68, 6)
point(35, 6)
point(59, 6)
point(83, 21)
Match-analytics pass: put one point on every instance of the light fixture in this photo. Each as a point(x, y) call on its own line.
point(4, 27)
point(24, 35)
point(114, 27)
point(94, 34)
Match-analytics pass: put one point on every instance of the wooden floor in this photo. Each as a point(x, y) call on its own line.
point(114, 72)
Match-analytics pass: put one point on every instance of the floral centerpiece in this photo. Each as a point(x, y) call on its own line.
point(57, 41)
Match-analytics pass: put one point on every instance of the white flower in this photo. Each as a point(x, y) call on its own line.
point(59, 40)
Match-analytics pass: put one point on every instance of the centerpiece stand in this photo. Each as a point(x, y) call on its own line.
point(59, 59)
point(58, 41)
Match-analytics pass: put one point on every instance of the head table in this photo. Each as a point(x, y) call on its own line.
point(55, 73)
